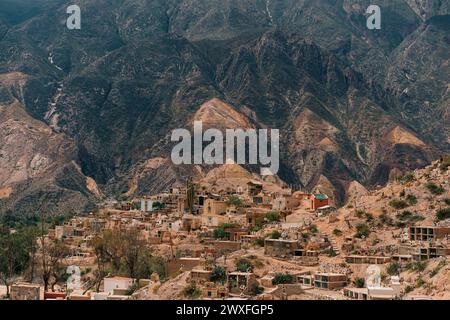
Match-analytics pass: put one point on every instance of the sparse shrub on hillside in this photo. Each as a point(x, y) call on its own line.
point(244, 265)
point(385, 219)
point(408, 289)
point(398, 204)
point(420, 282)
point(337, 232)
point(330, 252)
point(256, 289)
point(219, 232)
point(393, 269)
point(438, 268)
point(447, 201)
point(443, 214)
point(406, 178)
point(402, 193)
point(411, 199)
point(275, 234)
point(417, 266)
point(313, 228)
point(435, 189)
point(369, 217)
point(359, 282)
point(273, 216)
point(191, 292)
point(282, 278)
point(259, 242)
point(408, 217)
point(235, 201)
point(445, 163)
point(360, 213)
point(362, 230)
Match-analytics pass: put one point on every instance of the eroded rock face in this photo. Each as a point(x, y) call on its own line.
point(35, 162)
point(350, 104)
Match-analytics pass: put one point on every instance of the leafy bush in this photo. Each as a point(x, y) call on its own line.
point(443, 214)
point(244, 265)
point(393, 269)
point(256, 289)
point(259, 242)
point(407, 178)
point(420, 282)
point(235, 201)
point(275, 234)
point(438, 268)
point(218, 274)
point(445, 163)
point(417, 266)
point(435, 189)
point(313, 228)
point(191, 291)
point(398, 204)
point(282, 278)
point(408, 217)
point(362, 230)
point(412, 200)
point(409, 289)
point(273, 216)
point(385, 219)
point(219, 232)
point(337, 232)
point(330, 252)
point(360, 282)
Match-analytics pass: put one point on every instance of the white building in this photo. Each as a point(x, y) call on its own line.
point(112, 283)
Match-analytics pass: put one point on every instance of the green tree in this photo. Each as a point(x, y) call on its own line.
point(14, 257)
point(218, 274)
point(282, 278)
point(235, 201)
point(219, 232)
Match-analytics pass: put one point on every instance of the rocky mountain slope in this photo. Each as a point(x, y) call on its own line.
point(350, 103)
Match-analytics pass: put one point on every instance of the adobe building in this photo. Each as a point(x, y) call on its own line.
point(181, 265)
point(111, 284)
point(199, 276)
point(241, 282)
point(214, 207)
point(254, 188)
point(357, 259)
point(280, 248)
point(428, 233)
point(330, 281)
point(285, 203)
point(214, 291)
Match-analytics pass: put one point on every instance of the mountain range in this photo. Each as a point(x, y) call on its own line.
point(87, 114)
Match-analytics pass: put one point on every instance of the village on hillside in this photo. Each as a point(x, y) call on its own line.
point(236, 236)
